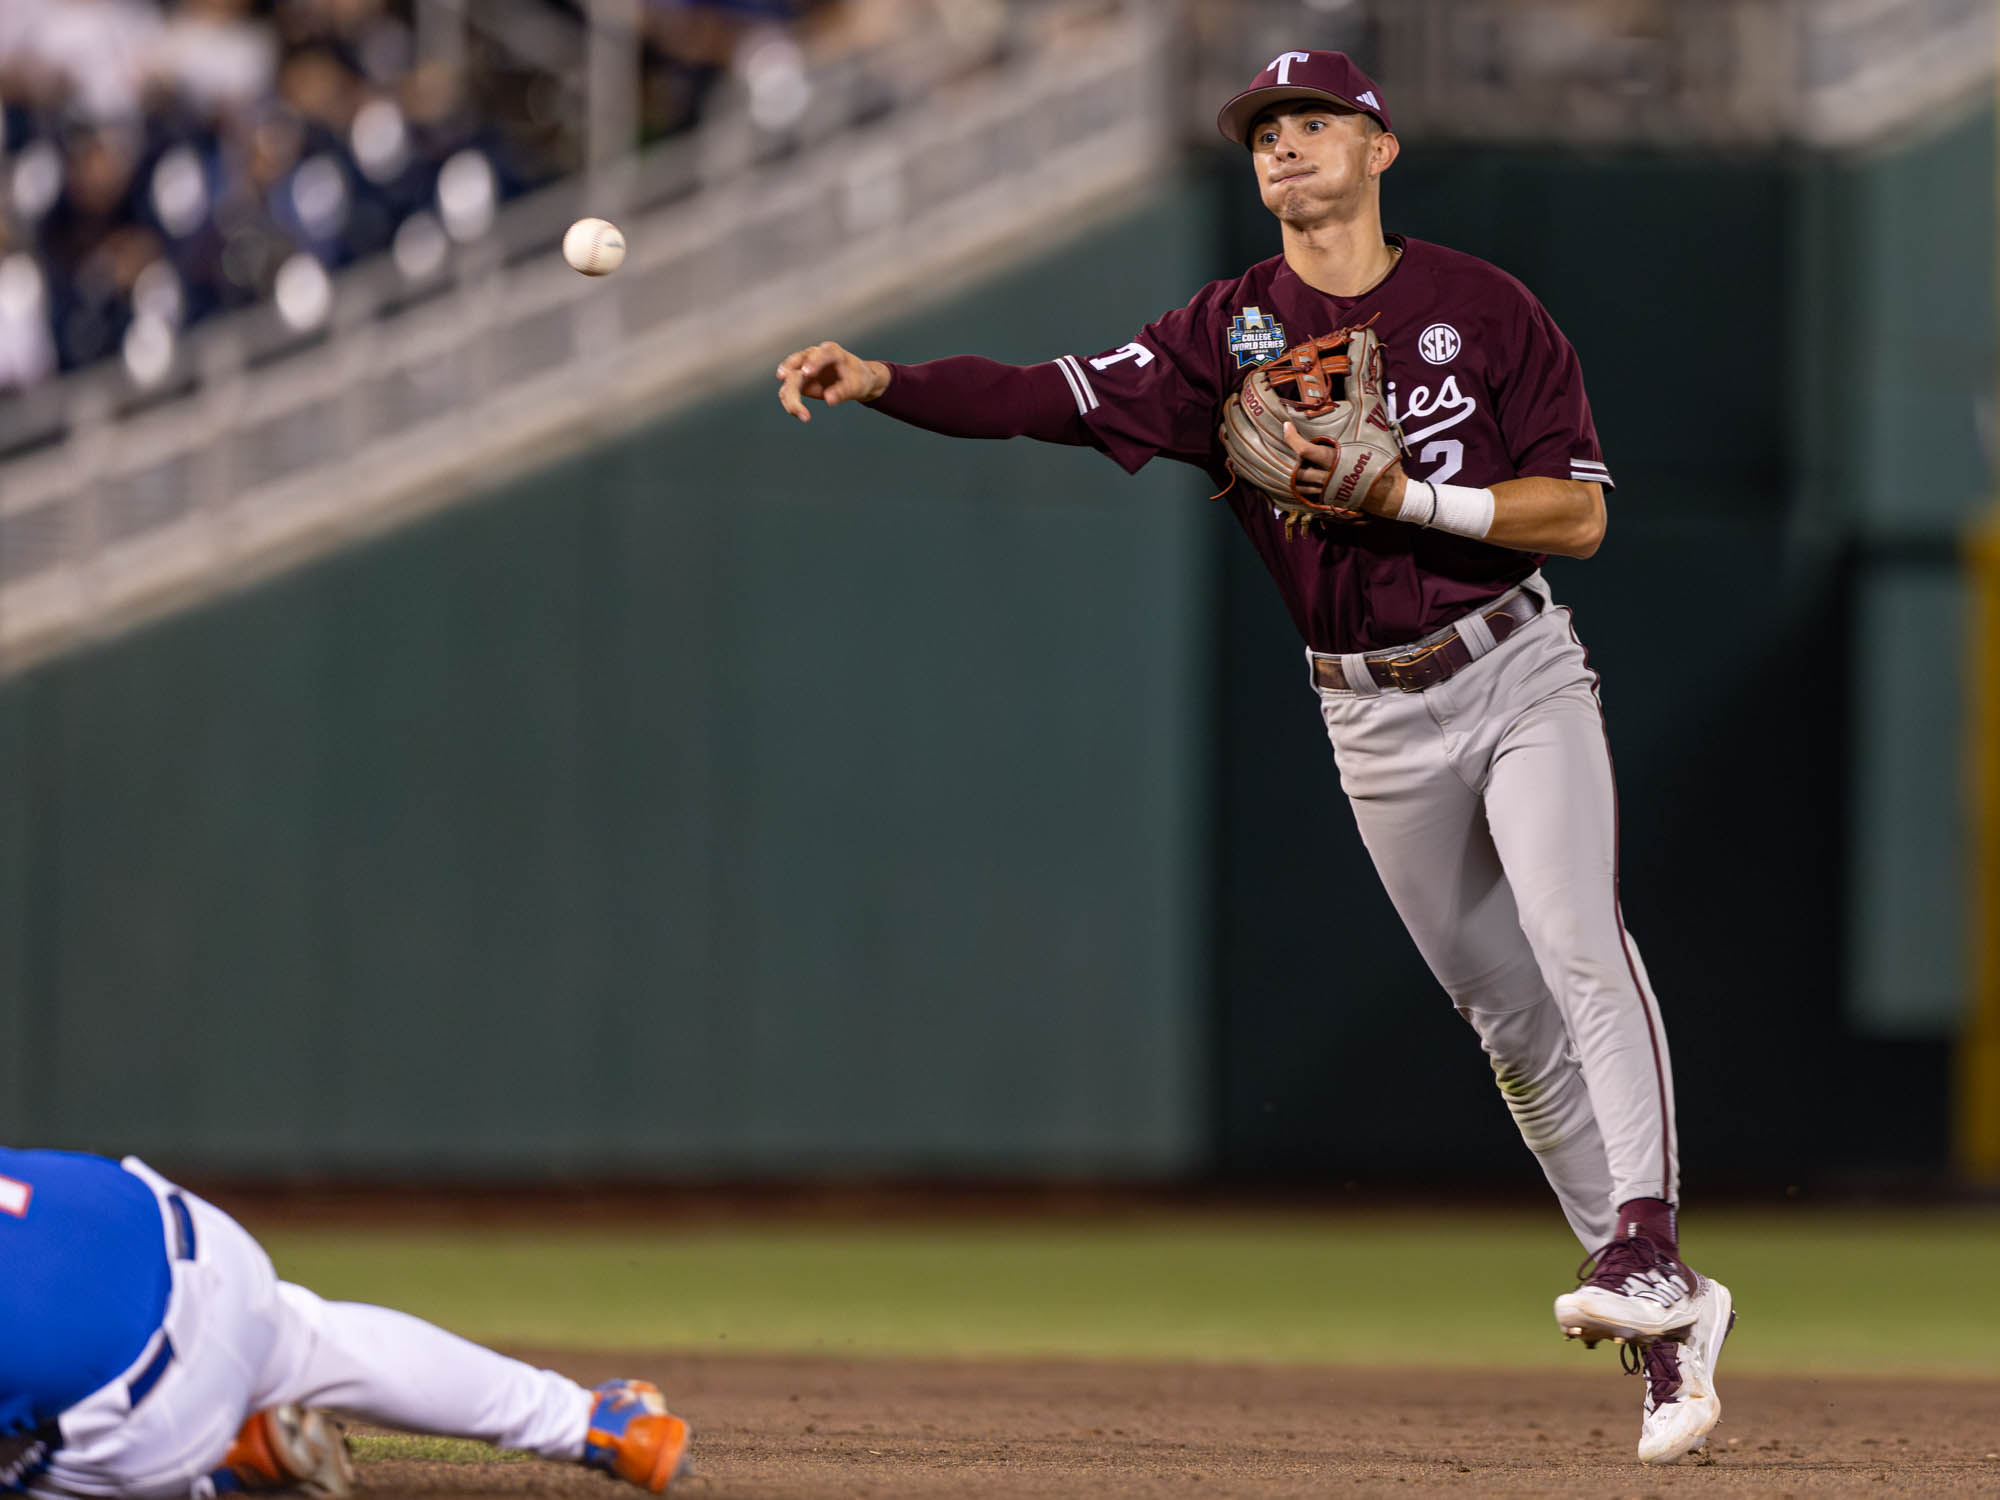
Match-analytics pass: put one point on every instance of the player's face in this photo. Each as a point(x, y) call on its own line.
point(1316, 163)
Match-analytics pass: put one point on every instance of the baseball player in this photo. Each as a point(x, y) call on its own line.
point(148, 1349)
point(1405, 524)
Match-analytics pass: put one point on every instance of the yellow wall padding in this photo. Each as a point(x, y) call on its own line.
point(1979, 1051)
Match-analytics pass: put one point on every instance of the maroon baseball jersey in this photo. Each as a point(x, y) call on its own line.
point(1482, 380)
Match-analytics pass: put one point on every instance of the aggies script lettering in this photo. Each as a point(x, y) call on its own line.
point(1441, 460)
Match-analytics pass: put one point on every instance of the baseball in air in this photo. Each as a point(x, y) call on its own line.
point(595, 247)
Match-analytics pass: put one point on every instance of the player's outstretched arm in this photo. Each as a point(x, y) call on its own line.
point(827, 372)
point(962, 395)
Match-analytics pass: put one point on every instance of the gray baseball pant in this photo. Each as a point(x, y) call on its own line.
point(1487, 804)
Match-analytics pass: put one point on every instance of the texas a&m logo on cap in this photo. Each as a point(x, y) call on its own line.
point(1331, 76)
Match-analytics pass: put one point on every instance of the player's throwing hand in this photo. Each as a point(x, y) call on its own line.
point(826, 372)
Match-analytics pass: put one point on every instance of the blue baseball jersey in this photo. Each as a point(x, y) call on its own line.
point(83, 1279)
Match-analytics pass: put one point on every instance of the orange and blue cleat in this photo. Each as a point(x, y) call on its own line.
point(287, 1448)
point(633, 1435)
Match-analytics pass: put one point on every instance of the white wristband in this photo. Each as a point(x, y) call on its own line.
point(1420, 502)
point(1463, 511)
point(1457, 508)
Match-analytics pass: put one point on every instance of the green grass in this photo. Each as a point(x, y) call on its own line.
point(431, 1450)
point(1817, 1293)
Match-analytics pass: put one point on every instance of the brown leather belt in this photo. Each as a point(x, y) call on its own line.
point(1437, 656)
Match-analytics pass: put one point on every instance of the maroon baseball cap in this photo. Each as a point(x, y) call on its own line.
point(1303, 75)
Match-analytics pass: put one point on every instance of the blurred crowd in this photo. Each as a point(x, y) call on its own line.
point(161, 160)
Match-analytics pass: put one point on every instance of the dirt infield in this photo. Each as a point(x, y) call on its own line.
point(817, 1429)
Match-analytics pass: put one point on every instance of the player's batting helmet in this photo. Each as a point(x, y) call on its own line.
point(1331, 76)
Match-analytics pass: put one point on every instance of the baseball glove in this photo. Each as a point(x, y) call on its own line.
point(1330, 389)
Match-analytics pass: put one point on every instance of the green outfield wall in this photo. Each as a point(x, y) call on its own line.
point(920, 806)
point(639, 816)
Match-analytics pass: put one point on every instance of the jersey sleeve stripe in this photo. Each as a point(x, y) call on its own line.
point(1079, 384)
point(1075, 392)
point(1084, 376)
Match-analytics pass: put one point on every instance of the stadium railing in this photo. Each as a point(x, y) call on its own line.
point(269, 444)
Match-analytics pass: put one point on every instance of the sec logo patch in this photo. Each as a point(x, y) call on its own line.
point(1438, 344)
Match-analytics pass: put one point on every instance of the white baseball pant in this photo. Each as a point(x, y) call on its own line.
point(243, 1341)
point(1487, 804)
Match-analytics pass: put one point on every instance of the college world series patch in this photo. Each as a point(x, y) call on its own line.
point(1255, 336)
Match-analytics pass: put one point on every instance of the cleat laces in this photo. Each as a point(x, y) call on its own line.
point(1661, 1364)
point(1636, 1267)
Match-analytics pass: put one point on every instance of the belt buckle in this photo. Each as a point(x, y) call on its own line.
point(1397, 665)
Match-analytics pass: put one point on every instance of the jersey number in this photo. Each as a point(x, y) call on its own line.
point(14, 1197)
point(1449, 456)
point(1139, 354)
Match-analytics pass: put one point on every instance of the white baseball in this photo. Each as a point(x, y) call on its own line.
point(595, 247)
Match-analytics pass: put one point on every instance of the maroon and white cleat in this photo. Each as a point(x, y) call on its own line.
point(1631, 1291)
point(1682, 1406)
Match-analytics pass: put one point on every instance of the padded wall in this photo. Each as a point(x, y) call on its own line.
point(641, 816)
